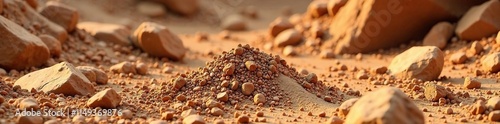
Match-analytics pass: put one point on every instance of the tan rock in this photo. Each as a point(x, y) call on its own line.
point(193, 119)
point(251, 65)
point(60, 78)
point(188, 112)
point(425, 63)
point(100, 76)
point(312, 78)
point(29, 104)
point(278, 25)
point(107, 98)
point(52, 43)
point(61, 14)
point(228, 69)
point(397, 108)
point(434, 92)
point(458, 58)
point(289, 51)
point(152, 9)
point(334, 120)
point(183, 7)
point(247, 88)
point(479, 107)
point(123, 67)
point(234, 23)
point(224, 97)
point(476, 48)
point(334, 6)
point(288, 37)
point(111, 33)
point(480, 21)
point(158, 122)
point(179, 83)
point(327, 54)
point(157, 40)
point(20, 48)
point(243, 119)
point(141, 68)
point(27, 15)
point(88, 72)
point(29, 120)
point(259, 98)
point(369, 25)
point(494, 116)
point(317, 8)
point(215, 111)
point(494, 103)
point(345, 107)
point(470, 83)
point(439, 35)
point(234, 85)
point(491, 63)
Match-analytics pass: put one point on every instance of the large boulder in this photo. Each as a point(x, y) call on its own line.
point(368, 25)
point(424, 62)
point(157, 40)
point(60, 78)
point(62, 14)
point(19, 48)
point(480, 21)
point(20, 12)
point(387, 105)
point(113, 33)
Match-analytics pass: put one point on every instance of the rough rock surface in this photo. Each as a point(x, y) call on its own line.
point(117, 34)
point(32, 19)
point(345, 107)
point(368, 25)
point(59, 13)
point(52, 43)
point(425, 63)
point(439, 35)
point(100, 76)
point(107, 98)
point(386, 105)
point(60, 78)
point(491, 62)
point(480, 21)
point(157, 40)
point(470, 83)
point(434, 92)
point(19, 48)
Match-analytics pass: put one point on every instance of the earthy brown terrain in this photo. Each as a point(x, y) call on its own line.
point(249, 61)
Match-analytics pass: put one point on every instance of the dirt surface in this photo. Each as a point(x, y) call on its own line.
point(305, 86)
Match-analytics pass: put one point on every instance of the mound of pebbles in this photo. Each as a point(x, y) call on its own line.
point(243, 73)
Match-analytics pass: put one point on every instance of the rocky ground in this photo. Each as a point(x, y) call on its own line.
point(254, 61)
